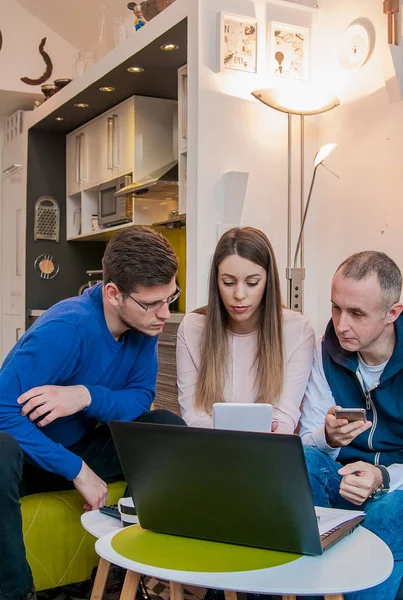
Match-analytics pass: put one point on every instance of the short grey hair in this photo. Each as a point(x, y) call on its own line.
point(370, 262)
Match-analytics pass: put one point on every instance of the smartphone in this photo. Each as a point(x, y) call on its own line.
point(351, 414)
point(243, 416)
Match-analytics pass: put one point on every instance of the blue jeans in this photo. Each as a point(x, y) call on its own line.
point(19, 478)
point(383, 517)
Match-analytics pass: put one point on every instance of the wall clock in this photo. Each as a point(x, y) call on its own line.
point(356, 45)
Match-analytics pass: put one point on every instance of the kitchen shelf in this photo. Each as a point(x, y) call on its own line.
point(179, 221)
point(102, 235)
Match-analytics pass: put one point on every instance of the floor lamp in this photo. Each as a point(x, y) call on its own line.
point(311, 103)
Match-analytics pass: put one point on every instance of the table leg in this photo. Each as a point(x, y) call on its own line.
point(176, 590)
point(130, 585)
point(100, 579)
point(288, 597)
point(230, 595)
point(333, 596)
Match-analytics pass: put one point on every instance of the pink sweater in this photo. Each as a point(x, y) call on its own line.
point(299, 341)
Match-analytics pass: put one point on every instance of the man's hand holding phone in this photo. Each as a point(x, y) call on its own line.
point(341, 431)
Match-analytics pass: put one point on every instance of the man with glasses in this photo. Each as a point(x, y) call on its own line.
point(356, 460)
point(86, 361)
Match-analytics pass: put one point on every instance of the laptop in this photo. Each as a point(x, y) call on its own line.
point(227, 486)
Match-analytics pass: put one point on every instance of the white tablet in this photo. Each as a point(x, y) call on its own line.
point(243, 416)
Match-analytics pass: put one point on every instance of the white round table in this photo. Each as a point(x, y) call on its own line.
point(359, 561)
point(98, 525)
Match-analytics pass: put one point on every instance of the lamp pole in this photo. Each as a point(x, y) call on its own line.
point(295, 275)
point(289, 206)
point(318, 103)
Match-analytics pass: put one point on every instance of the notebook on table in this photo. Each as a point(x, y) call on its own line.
point(228, 486)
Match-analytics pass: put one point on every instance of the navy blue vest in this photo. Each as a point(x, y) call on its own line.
point(383, 443)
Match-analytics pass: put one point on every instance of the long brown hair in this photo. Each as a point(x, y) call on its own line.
point(253, 245)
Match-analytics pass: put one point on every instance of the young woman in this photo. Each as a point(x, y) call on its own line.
point(244, 346)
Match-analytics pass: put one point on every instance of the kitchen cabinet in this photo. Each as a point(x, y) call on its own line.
point(182, 136)
point(12, 328)
point(109, 151)
point(76, 161)
point(135, 137)
point(12, 244)
point(183, 108)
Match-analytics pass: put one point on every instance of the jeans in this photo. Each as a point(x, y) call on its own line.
point(383, 517)
point(19, 478)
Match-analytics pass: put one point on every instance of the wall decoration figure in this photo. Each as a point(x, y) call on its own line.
point(47, 219)
point(46, 266)
point(151, 8)
point(48, 70)
point(139, 20)
point(289, 50)
point(238, 43)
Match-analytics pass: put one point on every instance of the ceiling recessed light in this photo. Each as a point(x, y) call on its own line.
point(59, 118)
point(107, 88)
point(135, 69)
point(81, 105)
point(169, 47)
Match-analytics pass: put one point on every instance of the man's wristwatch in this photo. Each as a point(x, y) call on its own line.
point(385, 485)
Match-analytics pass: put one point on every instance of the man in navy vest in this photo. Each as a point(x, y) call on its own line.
point(358, 363)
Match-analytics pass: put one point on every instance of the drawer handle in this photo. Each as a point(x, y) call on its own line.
point(17, 242)
point(12, 169)
point(109, 146)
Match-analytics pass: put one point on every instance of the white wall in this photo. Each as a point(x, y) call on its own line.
point(19, 56)
point(364, 209)
point(361, 210)
point(238, 133)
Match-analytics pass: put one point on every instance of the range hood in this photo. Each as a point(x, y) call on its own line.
point(161, 184)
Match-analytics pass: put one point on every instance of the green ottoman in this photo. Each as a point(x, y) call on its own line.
point(59, 550)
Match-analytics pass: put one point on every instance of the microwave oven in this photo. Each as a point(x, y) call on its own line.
point(112, 210)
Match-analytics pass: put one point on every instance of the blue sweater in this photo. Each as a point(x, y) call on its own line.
point(383, 443)
point(71, 345)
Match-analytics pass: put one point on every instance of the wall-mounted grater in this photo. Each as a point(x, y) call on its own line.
point(47, 219)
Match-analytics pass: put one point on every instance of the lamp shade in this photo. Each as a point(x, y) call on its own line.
point(323, 153)
point(307, 100)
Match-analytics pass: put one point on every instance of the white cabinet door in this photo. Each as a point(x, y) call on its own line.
point(99, 151)
point(110, 144)
point(13, 215)
point(183, 108)
point(12, 328)
point(76, 161)
point(123, 138)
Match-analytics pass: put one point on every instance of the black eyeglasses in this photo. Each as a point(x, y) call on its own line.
point(154, 306)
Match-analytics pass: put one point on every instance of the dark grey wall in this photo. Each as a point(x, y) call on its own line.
point(47, 177)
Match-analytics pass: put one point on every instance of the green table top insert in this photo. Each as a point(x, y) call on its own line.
point(189, 554)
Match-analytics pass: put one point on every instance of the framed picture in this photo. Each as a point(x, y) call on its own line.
point(238, 43)
point(289, 51)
